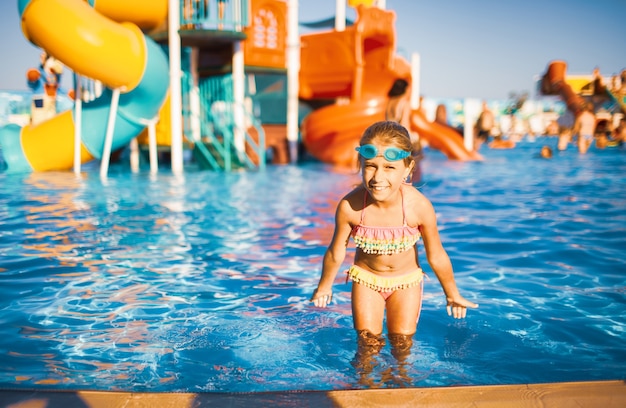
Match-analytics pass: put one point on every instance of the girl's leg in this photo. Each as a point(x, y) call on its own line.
point(368, 309)
point(365, 360)
point(403, 310)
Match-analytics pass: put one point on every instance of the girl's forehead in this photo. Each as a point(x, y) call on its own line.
point(378, 141)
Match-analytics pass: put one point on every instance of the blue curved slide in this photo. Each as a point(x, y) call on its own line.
point(92, 45)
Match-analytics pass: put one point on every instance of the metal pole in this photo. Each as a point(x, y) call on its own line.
point(293, 82)
point(239, 94)
point(175, 87)
point(194, 97)
point(152, 146)
point(340, 15)
point(134, 155)
point(108, 140)
point(78, 116)
point(471, 111)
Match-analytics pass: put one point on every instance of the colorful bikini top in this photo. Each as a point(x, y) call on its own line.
point(384, 240)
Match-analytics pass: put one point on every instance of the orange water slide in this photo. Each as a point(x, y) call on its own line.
point(357, 67)
point(356, 63)
point(553, 83)
point(332, 132)
point(442, 138)
point(354, 69)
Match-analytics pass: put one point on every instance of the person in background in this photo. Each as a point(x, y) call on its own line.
point(441, 115)
point(584, 127)
point(602, 141)
point(386, 218)
point(484, 126)
point(398, 106)
point(599, 87)
point(221, 12)
point(45, 82)
point(622, 77)
point(565, 136)
point(603, 130)
point(546, 152)
point(552, 129)
point(196, 13)
point(619, 134)
point(616, 84)
point(398, 110)
point(500, 143)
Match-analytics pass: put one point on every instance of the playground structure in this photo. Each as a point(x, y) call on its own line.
point(350, 72)
point(233, 90)
point(578, 90)
point(122, 47)
point(234, 65)
point(124, 59)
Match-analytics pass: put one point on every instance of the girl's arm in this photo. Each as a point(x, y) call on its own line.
point(334, 256)
point(440, 263)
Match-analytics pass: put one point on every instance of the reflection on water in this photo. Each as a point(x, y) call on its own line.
point(202, 283)
point(367, 360)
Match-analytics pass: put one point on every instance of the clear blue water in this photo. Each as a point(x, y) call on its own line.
point(201, 283)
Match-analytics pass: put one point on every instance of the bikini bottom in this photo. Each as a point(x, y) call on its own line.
point(385, 285)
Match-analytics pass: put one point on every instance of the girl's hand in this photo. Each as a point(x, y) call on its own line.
point(322, 298)
point(458, 307)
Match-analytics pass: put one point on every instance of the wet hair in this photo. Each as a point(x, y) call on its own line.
point(388, 132)
point(398, 88)
point(546, 152)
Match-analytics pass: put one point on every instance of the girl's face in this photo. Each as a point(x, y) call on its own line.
point(383, 178)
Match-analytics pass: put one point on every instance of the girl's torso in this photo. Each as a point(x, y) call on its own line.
point(385, 248)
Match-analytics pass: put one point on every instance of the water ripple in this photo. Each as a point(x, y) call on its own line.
point(202, 283)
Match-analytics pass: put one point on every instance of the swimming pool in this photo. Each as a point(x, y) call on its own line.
point(201, 283)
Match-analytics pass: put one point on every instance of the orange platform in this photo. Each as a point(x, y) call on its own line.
point(602, 394)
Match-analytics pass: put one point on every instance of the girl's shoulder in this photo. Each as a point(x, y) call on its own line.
point(410, 191)
point(353, 201)
point(356, 194)
point(351, 205)
point(413, 198)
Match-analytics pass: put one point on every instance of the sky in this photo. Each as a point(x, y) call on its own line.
point(468, 48)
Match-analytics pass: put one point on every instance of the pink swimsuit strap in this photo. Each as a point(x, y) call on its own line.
point(384, 240)
point(365, 204)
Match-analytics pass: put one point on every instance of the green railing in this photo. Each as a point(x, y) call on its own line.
point(226, 142)
point(229, 15)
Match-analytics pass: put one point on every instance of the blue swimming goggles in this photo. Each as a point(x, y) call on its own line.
point(369, 151)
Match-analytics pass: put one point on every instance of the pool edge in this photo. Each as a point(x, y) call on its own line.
point(605, 394)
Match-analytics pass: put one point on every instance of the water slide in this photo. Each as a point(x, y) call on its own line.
point(89, 39)
point(357, 67)
point(332, 132)
point(443, 138)
point(553, 83)
point(618, 99)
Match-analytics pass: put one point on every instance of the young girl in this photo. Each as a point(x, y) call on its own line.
point(386, 217)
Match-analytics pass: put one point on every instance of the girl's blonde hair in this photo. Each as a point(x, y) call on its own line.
point(390, 133)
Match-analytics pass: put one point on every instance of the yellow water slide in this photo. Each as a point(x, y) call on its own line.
point(101, 40)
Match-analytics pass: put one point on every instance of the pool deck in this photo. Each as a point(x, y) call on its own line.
point(603, 394)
